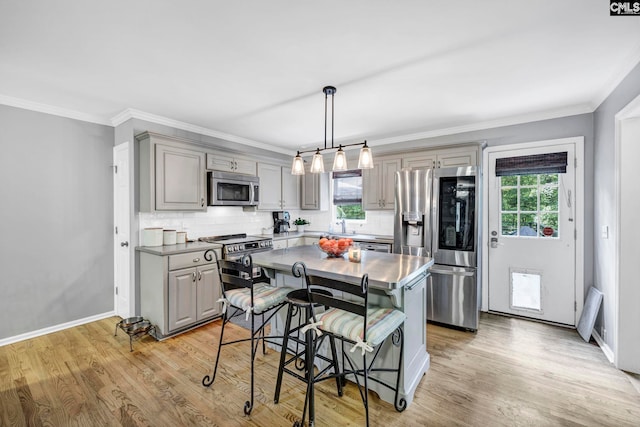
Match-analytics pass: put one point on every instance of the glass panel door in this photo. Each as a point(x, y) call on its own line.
point(456, 213)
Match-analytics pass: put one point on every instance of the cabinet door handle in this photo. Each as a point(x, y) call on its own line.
point(199, 275)
point(196, 260)
point(202, 202)
point(235, 164)
point(434, 163)
point(231, 164)
point(193, 276)
point(438, 163)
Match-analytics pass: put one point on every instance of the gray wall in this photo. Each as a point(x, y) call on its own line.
point(565, 127)
point(56, 219)
point(604, 199)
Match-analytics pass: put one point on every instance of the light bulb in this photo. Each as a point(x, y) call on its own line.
point(317, 164)
point(297, 167)
point(340, 161)
point(365, 161)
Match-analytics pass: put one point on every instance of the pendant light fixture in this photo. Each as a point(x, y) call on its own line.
point(365, 161)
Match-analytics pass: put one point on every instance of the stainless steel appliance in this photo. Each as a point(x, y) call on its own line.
point(232, 189)
point(412, 223)
point(281, 221)
point(376, 247)
point(235, 246)
point(437, 215)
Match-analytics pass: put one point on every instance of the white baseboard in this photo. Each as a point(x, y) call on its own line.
point(55, 328)
point(603, 346)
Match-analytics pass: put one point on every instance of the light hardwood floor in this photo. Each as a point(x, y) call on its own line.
point(512, 372)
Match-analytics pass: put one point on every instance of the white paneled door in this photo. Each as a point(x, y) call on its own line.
point(122, 247)
point(532, 237)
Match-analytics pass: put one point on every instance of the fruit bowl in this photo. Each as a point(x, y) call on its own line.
point(334, 248)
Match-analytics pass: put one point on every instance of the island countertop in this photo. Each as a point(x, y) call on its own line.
point(386, 271)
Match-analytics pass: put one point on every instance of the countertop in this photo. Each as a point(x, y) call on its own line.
point(386, 271)
point(179, 248)
point(370, 238)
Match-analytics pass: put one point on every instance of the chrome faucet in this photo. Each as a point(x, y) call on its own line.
point(343, 224)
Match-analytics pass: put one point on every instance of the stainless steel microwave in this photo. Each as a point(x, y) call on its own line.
point(232, 189)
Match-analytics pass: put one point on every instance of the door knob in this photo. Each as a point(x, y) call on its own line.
point(124, 244)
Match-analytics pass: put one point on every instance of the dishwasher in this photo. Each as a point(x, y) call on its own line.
point(376, 247)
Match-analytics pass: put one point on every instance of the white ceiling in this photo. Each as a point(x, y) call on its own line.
point(253, 70)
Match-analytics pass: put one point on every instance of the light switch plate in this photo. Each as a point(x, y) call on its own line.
point(604, 232)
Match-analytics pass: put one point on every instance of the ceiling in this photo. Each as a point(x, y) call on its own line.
point(253, 70)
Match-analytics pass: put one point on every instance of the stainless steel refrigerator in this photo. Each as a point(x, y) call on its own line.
point(437, 215)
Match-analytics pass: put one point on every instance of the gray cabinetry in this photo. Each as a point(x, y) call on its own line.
point(314, 191)
point(227, 163)
point(442, 158)
point(278, 188)
point(378, 184)
point(415, 327)
point(172, 175)
point(179, 291)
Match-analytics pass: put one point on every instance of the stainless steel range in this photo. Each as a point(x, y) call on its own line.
point(235, 246)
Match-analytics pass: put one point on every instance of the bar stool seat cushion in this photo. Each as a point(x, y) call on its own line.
point(264, 296)
point(380, 323)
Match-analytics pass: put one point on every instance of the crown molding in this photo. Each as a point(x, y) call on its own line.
point(131, 113)
point(50, 109)
point(491, 124)
point(617, 78)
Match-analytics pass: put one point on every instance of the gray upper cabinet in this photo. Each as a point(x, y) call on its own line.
point(420, 161)
point(180, 179)
point(172, 175)
point(378, 190)
point(278, 188)
point(442, 158)
point(315, 191)
point(226, 163)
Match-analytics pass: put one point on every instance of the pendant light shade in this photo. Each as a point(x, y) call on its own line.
point(317, 163)
point(297, 168)
point(365, 161)
point(340, 161)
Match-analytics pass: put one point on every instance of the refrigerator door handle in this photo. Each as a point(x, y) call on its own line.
point(451, 272)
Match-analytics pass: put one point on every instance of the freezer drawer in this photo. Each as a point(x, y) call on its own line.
point(452, 296)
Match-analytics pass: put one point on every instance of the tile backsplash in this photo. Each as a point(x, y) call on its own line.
point(220, 220)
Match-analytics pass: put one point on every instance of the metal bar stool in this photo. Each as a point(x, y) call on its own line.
point(352, 320)
point(302, 359)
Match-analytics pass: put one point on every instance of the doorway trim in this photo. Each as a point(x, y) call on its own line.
point(130, 310)
point(629, 111)
point(578, 142)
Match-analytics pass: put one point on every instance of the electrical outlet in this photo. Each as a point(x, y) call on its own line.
point(604, 232)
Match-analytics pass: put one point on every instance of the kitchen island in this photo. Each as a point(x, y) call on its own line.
point(394, 281)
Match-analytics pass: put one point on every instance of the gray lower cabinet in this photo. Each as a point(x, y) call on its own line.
point(179, 291)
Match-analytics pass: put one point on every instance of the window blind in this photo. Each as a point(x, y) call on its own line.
point(531, 165)
point(347, 187)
